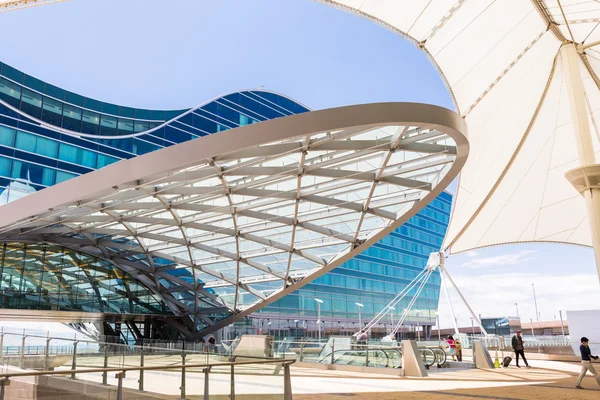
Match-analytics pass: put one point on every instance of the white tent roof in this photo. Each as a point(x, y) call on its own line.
point(501, 62)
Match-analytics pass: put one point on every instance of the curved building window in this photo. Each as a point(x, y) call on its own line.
point(31, 103)
point(52, 111)
point(90, 122)
point(71, 118)
point(10, 92)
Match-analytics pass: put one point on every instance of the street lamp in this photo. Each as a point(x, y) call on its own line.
point(437, 321)
point(531, 322)
point(562, 325)
point(517, 307)
point(360, 306)
point(472, 326)
point(392, 317)
point(418, 327)
point(269, 328)
point(319, 302)
point(537, 314)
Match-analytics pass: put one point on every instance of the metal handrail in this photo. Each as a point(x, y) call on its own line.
point(121, 371)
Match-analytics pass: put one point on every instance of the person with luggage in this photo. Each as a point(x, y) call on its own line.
point(458, 350)
point(452, 346)
point(519, 348)
point(586, 362)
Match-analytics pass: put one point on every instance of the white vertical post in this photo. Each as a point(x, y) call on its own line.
point(583, 137)
point(445, 287)
point(562, 324)
point(445, 273)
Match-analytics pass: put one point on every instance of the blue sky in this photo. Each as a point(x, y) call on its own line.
point(143, 53)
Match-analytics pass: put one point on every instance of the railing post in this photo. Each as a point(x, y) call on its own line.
point(120, 377)
point(182, 387)
point(141, 380)
point(287, 382)
point(332, 349)
point(206, 389)
point(232, 383)
point(47, 354)
point(3, 383)
point(2, 342)
point(74, 362)
point(105, 374)
point(301, 351)
point(367, 358)
point(22, 361)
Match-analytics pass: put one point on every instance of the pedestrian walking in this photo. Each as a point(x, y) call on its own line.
point(458, 349)
point(452, 346)
point(586, 362)
point(519, 348)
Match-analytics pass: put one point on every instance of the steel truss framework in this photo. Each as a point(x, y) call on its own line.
point(221, 226)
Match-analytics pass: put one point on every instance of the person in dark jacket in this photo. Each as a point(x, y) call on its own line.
point(519, 348)
point(586, 362)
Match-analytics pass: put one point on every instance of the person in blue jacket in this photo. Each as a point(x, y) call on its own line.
point(586, 362)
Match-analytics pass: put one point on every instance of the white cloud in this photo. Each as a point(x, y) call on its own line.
point(504, 259)
point(494, 294)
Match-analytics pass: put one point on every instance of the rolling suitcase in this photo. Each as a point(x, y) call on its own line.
point(506, 361)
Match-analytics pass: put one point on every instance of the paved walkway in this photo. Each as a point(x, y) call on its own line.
point(547, 380)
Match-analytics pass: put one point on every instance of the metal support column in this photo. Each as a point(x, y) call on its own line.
point(141, 379)
point(332, 350)
point(206, 385)
point(120, 377)
point(232, 381)
point(47, 353)
point(22, 360)
point(4, 382)
point(105, 374)
point(74, 362)
point(287, 382)
point(182, 387)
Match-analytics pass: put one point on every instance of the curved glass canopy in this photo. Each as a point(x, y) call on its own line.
point(222, 225)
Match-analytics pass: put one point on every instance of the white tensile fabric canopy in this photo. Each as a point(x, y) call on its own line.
point(503, 64)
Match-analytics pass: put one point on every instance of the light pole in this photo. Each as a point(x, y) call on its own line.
point(319, 302)
point(418, 327)
point(437, 321)
point(472, 326)
point(360, 306)
point(562, 325)
point(517, 306)
point(537, 314)
point(531, 322)
point(392, 317)
point(269, 328)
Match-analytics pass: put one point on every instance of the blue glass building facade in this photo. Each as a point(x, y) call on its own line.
point(372, 279)
point(49, 135)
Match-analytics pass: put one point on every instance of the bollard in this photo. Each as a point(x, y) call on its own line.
point(301, 351)
point(367, 361)
point(105, 374)
point(120, 377)
point(74, 362)
point(332, 350)
point(206, 389)
point(22, 361)
point(141, 380)
point(287, 382)
point(3, 383)
point(232, 383)
point(182, 387)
